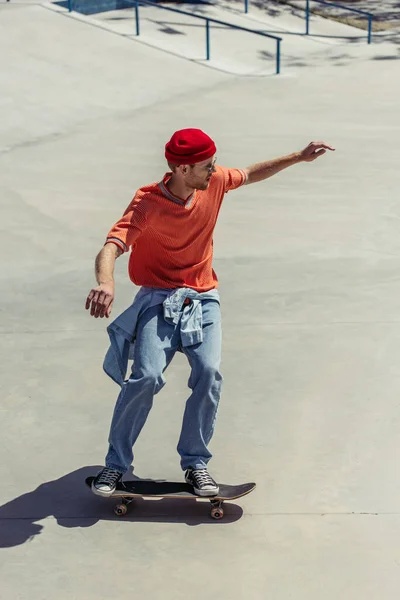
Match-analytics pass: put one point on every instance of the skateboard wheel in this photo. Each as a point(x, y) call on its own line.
point(120, 510)
point(217, 513)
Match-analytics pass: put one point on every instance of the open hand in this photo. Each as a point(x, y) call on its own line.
point(100, 300)
point(314, 150)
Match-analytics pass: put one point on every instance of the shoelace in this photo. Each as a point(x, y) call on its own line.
point(108, 476)
point(202, 477)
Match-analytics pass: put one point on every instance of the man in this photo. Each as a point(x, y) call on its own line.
point(169, 227)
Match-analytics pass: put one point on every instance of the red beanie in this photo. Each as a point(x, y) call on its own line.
point(189, 146)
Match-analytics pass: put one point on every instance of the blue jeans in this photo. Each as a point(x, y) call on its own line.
point(155, 346)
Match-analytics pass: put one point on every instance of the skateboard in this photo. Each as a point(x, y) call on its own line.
point(127, 491)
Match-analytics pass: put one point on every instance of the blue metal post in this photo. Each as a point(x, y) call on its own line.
point(278, 56)
point(246, 6)
point(70, 5)
point(207, 39)
point(307, 17)
point(137, 18)
point(369, 28)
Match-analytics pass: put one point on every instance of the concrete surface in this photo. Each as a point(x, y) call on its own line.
point(309, 277)
point(240, 52)
point(386, 13)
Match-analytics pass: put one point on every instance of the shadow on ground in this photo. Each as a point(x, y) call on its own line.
point(72, 504)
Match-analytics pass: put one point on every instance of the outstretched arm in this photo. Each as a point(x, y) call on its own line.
point(263, 170)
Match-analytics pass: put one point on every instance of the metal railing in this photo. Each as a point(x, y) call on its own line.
point(354, 10)
point(137, 3)
point(369, 16)
point(209, 20)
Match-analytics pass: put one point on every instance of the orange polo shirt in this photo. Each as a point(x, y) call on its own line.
point(171, 240)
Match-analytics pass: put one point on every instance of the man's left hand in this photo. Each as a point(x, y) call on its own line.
point(314, 150)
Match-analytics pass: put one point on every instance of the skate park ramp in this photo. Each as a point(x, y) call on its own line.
point(308, 263)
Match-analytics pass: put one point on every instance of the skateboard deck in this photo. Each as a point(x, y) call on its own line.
point(127, 491)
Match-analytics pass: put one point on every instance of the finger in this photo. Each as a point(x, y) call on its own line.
point(89, 299)
point(323, 145)
point(94, 303)
point(107, 308)
point(94, 309)
point(99, 305)
point(107, 300)
point(103, 310)
point(104, 302)
point(108, 311)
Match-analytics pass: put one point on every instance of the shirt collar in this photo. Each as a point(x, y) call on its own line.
point(168, 194)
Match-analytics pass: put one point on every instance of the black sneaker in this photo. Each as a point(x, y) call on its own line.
point(202, 482)
point(105, 482)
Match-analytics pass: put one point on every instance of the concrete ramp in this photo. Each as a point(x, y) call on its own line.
point(57, 72)
point(309, 265)
point(241, 52)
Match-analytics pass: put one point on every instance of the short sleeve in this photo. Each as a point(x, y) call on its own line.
point(126, 231)
point(233, 178)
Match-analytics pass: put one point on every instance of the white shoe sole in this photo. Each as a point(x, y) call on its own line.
point(203, 493)
point(105, 494)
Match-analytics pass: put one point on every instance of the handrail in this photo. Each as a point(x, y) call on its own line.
point(208, 20)
point(355, 10)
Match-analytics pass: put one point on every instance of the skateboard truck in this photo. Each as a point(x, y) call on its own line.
point(216, 512)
